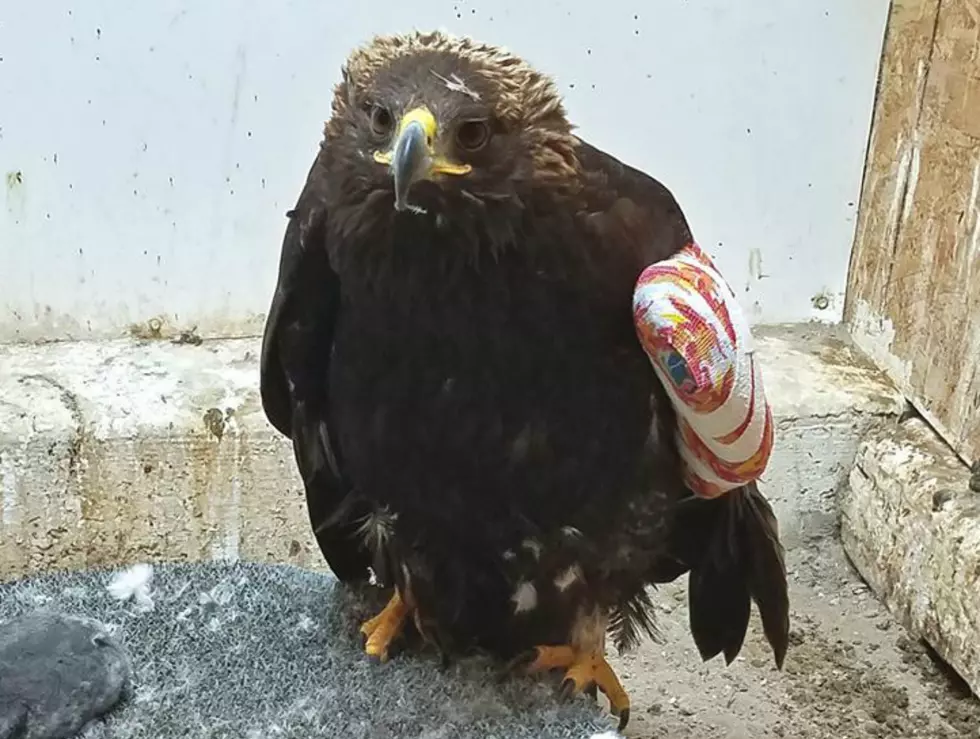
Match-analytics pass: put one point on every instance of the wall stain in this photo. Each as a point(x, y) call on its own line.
point(70, 401)
point(190, 337)
point(14, 180)
point(755, 264)
point(215, 422)
point(152, 329)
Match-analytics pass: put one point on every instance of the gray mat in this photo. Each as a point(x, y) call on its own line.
point(248, 651)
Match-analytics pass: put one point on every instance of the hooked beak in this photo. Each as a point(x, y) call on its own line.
point(413, 157)
point(410, 160)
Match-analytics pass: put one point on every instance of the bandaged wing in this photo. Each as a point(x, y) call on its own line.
point(699, 343)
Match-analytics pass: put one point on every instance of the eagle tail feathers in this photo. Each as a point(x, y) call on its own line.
point(742, 562)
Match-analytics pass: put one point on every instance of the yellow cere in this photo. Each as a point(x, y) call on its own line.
point(423, 116)
point(438, 164)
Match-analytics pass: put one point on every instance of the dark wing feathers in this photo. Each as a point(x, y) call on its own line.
point(631, 209)
point(731, 545)
point(631, 620)
point(767, 572)
point(296, 350)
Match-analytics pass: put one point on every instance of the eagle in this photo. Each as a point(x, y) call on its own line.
point(451, 349)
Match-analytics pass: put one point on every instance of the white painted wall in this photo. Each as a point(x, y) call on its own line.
point(151, 149)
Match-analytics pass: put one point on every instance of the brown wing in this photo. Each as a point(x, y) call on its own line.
point(730, 545)
point(295, 364)
point(631, 209)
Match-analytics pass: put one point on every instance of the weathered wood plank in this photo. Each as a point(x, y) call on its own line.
point(914, 287)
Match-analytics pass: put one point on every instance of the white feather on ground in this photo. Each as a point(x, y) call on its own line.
point(134, 583)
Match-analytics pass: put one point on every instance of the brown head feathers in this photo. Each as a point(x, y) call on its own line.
point(522, 97)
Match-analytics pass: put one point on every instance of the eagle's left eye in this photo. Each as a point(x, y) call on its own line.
point(472, 135)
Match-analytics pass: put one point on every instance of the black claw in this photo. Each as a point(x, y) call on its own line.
point(567, 689)
point(593, 692)
point(624, 718)
point(521, 661)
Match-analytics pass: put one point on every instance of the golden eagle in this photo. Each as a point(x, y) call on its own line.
point(451, 349)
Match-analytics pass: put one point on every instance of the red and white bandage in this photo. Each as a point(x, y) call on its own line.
point(699, 343)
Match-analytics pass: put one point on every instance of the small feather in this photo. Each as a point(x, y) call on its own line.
point(568, 577)
point(133, 583)
point(631, 618)
point(455, 84)
point(525, 598)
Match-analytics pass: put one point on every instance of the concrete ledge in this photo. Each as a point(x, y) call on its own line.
point(125, 451)
point(911, 525)
point(825, 395)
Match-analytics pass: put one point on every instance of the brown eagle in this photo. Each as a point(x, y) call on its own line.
point(451, 349)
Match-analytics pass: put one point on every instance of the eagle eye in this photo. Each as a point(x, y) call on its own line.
point(382, 121)
point(472, 135)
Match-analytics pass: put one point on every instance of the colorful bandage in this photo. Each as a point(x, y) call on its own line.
point(699, 343)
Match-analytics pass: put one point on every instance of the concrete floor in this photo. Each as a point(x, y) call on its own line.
point(851, 672)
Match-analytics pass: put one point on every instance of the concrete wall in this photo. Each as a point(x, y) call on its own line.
point(149, 150)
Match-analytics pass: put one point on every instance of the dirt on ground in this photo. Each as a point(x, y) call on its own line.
point(852, 671)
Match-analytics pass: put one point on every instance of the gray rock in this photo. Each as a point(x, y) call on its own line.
point(57, 673)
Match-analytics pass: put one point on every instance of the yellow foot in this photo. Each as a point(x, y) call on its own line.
point(583, 671)
point(381, 631)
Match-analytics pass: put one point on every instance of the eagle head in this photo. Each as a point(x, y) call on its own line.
point(430, 122)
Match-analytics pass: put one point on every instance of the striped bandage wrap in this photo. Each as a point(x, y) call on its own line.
point(699, 343)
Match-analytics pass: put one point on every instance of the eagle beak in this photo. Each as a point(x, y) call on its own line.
point(410, 160)
point(413, 156)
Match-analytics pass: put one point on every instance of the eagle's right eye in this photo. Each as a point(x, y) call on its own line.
point(381, 120)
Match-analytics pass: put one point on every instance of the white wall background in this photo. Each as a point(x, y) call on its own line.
point(150, 150)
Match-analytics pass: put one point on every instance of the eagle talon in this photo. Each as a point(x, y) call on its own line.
point(585, 672)
point(381, 631)
point(624, 718)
